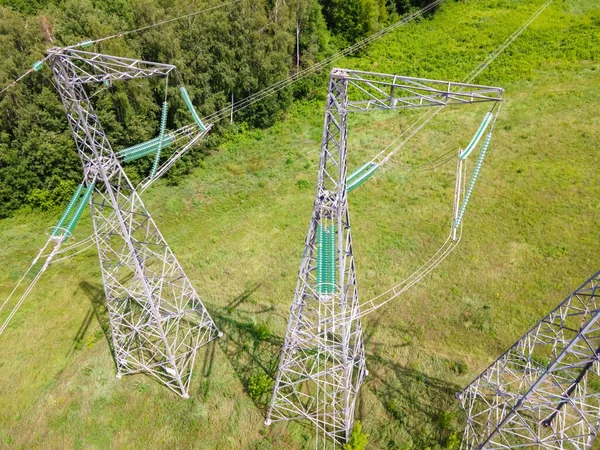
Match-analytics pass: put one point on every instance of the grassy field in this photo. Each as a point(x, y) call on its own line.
point(238, 227)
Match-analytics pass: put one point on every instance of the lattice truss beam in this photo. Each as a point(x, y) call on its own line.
point(322, 363)
point(88, 67)
point(157, 319)
point(370, 90)
point(544, 392)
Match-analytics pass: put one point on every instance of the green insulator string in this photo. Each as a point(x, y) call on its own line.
point(361, 175)
point(126, 152)
point(146, 148)
point(57, 229)
point(474, 176)
point(326, 259)
point(37, 66)
point(88, 43)
point(321, 267)
point(188, 102)
point(484, 124)
point(80, 207)
point(163, 125)
point(357, 172)
point(190, 106)
point(332, 260)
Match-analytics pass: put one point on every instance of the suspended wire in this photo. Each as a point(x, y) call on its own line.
point(48, 259)
point(35, 260)
point(87, 241)
point(435, 260)
point(276, 87)
point(450, 244)
point(14, 83)
point(31, 285)
point(492, 56)
point(447, 247)
point(74, 254)
point(157, 24)
point(429, 115)
point(260, 95)
point(122, 34)
point(434, 163)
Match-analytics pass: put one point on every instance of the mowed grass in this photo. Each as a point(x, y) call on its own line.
point(238, 226)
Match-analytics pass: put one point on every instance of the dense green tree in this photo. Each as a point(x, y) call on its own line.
point(227, 52)
point(352, 20)
point(25, 6)
point(224, 54)
point(404, 6)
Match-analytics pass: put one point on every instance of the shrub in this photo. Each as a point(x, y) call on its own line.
point(453, 441)
point(302, 184)
point(358, 439)
point(259, 384)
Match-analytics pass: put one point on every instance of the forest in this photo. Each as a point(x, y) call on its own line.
point(221, 55)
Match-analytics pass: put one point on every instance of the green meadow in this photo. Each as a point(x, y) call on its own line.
point(237, 225)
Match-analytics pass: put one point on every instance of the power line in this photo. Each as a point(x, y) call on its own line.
point(492, 56)
point(276, 87)
point(8, 86)
point(428, 116)
point(450, 244)
point(123, 34)
point(157, 24)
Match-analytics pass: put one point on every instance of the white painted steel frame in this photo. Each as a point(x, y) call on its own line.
point(157, 319)
point(543, 392)
point(322, 363)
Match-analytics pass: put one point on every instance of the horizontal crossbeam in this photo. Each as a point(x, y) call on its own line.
point(369, 90)
point(98, 68)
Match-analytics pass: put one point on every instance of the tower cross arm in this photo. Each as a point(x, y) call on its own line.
point(369, 90)
point(98, 68)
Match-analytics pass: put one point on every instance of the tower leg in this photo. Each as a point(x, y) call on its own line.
point(323, 363)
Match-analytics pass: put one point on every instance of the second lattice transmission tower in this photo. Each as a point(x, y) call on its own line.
point(157, 319)
point(323, 358)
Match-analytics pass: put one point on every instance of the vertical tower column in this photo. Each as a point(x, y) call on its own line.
point(322, 363)
point(157, 319)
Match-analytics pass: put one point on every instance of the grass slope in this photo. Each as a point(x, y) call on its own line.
point(238, 227)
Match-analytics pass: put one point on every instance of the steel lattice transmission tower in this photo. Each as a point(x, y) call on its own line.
point(544, 392)
point(322, 363)
point(157, 319)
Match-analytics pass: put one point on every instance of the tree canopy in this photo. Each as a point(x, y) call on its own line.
point(226, 53)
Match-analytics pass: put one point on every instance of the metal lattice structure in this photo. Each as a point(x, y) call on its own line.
point(322, 363)
point(157, 319)
point(544, 392)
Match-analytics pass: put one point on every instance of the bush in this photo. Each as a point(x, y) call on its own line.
point(302, 184)
point(261, 331)
point(453, 441)
point(46, 199)
point(259, 384)
point(358, 439)
point(459, 367)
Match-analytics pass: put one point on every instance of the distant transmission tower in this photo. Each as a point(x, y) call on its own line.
point(157, 319)
point(322, 363)
point(544, 392)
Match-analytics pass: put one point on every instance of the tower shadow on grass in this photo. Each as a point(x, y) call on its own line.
point(419, 407)
point(423, 406)
point(251, 349)
point(98, 311)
